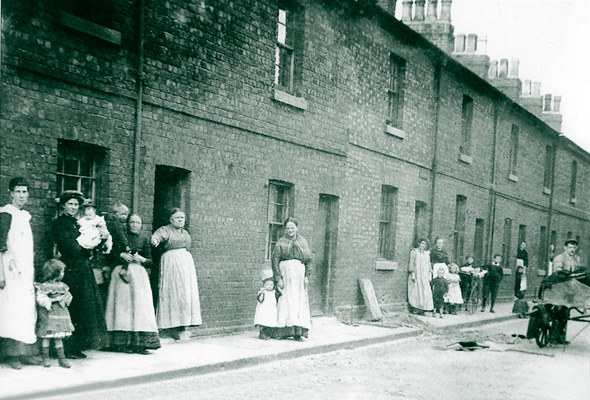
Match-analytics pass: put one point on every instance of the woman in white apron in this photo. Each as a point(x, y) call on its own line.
point(291, 265)
point(18, 314)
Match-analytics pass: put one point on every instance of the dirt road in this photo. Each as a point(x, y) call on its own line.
point(418, 368)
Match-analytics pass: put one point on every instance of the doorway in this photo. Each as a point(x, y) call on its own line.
point(171, 189)
point(320, 285)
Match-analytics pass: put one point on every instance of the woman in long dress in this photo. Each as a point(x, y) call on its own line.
point(420, 272)
point(291, 265)
point(86, 309)
point(178, 303)
point(131, 320)
point(17, 293)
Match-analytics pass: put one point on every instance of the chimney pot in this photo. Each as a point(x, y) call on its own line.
point(445, 11)
point(419, 11)
point(493, 70)
point(432, 10)
point(514, 65)
point(471, 43)
point(557, 103)
point(503, 68)
point(459, 43)
point(547, 102)
point(407, 10)
point(537, 89)
point(527, 87)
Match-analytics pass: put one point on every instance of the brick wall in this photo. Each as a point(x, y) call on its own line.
point(209, 108)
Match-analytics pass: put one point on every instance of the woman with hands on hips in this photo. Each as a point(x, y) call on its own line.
point(178, 303)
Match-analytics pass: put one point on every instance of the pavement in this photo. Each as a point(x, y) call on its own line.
point(203, 355)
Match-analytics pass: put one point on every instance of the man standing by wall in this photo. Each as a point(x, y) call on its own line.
point(491, 282)
point(17, 294)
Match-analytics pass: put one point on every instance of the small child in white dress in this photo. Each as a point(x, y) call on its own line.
point(93, 231)
point(454, 296)
point(266, 307)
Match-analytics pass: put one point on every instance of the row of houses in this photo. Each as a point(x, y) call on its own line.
point(246, 112)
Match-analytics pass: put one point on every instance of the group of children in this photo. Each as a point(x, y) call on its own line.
point(453, 286)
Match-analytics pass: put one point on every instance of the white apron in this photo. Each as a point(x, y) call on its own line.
point(18, 313)
point(293, 305)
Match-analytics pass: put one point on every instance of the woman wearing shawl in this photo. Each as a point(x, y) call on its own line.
point(291, 265)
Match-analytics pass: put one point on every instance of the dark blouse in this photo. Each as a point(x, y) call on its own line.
point(64, 232)
point(140, 243)
point(438, 256)
point(287, 249)
point(524, 256)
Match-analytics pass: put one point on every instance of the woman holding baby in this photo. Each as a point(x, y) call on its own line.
point(86, 309)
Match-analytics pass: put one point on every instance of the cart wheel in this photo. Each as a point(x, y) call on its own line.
point(542, 337)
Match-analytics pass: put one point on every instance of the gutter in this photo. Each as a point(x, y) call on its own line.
point(138, 109)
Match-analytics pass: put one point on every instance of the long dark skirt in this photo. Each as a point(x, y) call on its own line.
point(146, 340)
point(86, 309)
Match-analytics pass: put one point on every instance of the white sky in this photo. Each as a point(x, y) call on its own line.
point(551, 38)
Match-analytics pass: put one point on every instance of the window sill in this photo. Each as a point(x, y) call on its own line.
point(90, 28)
point(541, 272)
point(398, 133)
point(512, 177)
point(573, 201)
point(385, 265)
point(546, 190)
point(507, 271)
point(465, 158)
point(294, 101)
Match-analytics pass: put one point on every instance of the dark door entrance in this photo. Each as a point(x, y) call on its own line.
point(171, 189)
point(320, 290)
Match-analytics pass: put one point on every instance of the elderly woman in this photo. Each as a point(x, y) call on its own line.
point(86, 309)
point(419, 291)
point(178, 301)
point(291, 265)
point(130, 316)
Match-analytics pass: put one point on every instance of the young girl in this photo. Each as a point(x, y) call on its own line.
point(521, 306)
point(440, 288)
point(53, 318)
point(266, 308)
point(454, 296)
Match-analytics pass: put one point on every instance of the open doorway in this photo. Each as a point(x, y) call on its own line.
point(320, 290)
point(171, 189)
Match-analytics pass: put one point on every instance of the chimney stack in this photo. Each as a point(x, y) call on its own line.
point(527, 88)
point(407, 10)
point(388, 5)
point(432, 10)
point(419, 13)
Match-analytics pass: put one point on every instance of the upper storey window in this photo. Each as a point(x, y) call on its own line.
point(289, 47)
point(92, 17)
point(466, 125)
point(395, 91)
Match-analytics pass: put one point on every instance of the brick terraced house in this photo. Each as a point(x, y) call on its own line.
point(243, 112)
